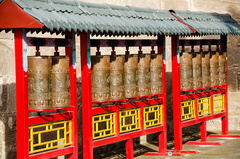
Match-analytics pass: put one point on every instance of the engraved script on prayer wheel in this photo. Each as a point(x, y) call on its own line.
point(60, 81)
point(222, 67)
point(38, 82)
point(186, 71)
point(130, 75)
point(143, 74)
point(156, 74)
point(214, 73)
point(206, 82)
point(197, 70)
point(116, 77)
point(100, 78)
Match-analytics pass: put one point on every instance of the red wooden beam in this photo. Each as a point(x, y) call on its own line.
point(12, 16)
point(53, 153)
point(49, 118)
point(118, 107)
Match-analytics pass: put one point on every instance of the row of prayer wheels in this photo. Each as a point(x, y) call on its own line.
point(116, 77)
point(202, 69)
point(48, 82)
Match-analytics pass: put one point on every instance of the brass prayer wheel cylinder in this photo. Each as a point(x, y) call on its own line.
point(186, 71)
point(156, 74)
point(206, 82)
point(130, 75)
point(143, 75)
point(60, 81)
point(197, 70)
point(100, 77)
point(116, 77)
point(38, 82)
point(222, 67)
point(214, 72)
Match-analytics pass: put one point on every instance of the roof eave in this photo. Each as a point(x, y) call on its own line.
point(13, 16)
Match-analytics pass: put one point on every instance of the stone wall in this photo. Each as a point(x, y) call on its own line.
point(7, 97)
point(7, 65)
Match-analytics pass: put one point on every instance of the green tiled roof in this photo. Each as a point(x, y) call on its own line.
point(61, 15)
point(209, 23)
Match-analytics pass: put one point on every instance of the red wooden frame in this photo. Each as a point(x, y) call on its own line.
point(177, 98)
point(88, 111)
point(22, 113)
point(10, 20)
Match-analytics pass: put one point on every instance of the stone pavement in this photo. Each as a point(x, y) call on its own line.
point(230, 149)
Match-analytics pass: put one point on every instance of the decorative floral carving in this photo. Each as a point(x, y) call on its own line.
point(38, 83)
point(206, 82)
point(214, 72)
point(60, 81)
point(130, 76)
point(100, 77)
point(143, 74)
point(156, 74)
point(186, 71)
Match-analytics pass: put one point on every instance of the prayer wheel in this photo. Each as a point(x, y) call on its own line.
point(116, 77)
point(186, 71)
point(222, 67)
point(206, 82)
point(197, 70)
point(130, 75)
point(156, 74)
point(60, 81)
point(38, 82)
point(143, 72)
point(100, 78)
point(214, 73)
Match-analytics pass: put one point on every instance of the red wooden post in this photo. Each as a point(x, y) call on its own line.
point(162, 138)
point(176, 95)
point(86, 96)
point(21, 94)
point(203, 130)
point(129, 148)
point(142, 115)
point(71, 52)
point(225, 119)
